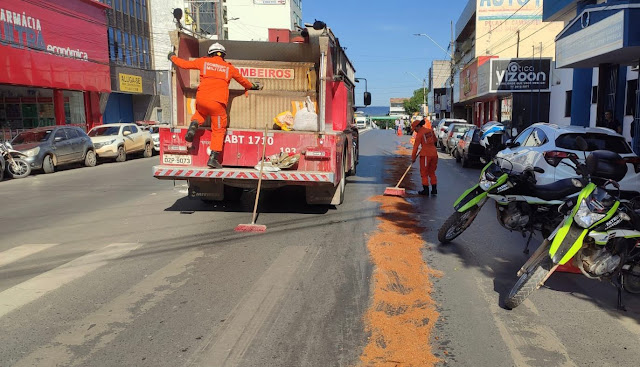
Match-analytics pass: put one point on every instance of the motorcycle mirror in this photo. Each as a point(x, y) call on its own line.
point(581, 144)
point(591, 163)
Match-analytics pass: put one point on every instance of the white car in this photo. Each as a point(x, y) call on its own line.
point(118, 140)
point(441, 129)
point(549, 146)
point(155, 136)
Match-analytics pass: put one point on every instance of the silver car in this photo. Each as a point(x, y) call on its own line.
point(454, 132)
point(48, 147)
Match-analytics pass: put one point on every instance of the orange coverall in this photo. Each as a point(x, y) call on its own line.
point(426, 140)
point(213, 93)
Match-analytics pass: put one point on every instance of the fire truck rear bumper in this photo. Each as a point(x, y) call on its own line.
point(182, 173)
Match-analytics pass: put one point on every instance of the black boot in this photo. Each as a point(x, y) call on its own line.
point(191, 133)
point(213, 161)
point(425, 191)
point(434, 190)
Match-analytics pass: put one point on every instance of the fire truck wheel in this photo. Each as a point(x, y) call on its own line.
point(353, 171)
point(338, 197)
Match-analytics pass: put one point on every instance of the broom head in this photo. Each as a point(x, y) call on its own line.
point(395, 191)
point(251, 228)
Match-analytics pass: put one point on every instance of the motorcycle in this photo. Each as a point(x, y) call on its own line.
point(16, 166)
point(600, 232)
point(521, 205)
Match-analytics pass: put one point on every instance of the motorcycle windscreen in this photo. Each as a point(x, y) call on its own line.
point(567, 242)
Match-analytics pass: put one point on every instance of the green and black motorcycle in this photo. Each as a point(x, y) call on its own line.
point(521, 205)
point(600, 232)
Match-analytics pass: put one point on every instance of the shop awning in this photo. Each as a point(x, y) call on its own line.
point(601, 34)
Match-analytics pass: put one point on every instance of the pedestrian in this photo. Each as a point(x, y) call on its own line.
point(611, 123)
point(212, 95)
point(425, 139)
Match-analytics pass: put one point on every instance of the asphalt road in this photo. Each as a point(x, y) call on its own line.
point(107, 266)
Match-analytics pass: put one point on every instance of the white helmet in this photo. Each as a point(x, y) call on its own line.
point(216, 47)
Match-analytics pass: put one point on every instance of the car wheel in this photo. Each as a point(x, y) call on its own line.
point(148, 151)
point(90, 159)
point(47, 164)
point(122, 154)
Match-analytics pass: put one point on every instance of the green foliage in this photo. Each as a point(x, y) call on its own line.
point(415, 102)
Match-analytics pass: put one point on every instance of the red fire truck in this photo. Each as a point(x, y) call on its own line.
point(312, 65)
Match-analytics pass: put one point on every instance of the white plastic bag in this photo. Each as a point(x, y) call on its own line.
point(306, 119)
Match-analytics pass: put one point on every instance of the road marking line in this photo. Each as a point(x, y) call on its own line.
point(229, 346)
point(17, 253)
point(34, 288)
point(519, 333)
point(101, 327)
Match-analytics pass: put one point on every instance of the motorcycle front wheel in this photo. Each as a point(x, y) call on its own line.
point(528, 283)
point(456, 224)
point(19, 168)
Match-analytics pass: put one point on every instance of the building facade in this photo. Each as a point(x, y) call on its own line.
point(64, 43)
point(598, 52)
point(438, 84)
point(250, 20)
point(133, 80)
point(503, 62)
point(396, 107)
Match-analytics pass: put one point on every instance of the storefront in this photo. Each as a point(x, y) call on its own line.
point(48, 73)
point(132, 96)
point(506, 90)
point(602, 46)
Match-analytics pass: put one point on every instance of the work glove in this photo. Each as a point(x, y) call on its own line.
point(256, 86)
point(171, 54)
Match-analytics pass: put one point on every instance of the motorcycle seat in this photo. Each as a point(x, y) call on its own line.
point(556, 191)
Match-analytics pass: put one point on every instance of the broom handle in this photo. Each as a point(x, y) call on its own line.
point(405, 172)
point(264, 149)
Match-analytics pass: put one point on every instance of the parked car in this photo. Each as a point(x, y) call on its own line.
point(155, 136)
point(118, 140)
point(546, 146)
point(469, 150)
point(453, 133)
point(441, 128)
point(48, 147)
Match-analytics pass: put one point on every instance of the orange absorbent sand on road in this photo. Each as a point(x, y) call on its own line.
point(402, 313)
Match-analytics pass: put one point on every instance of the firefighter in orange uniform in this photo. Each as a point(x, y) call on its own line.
point(212, 95)
point(425, 139)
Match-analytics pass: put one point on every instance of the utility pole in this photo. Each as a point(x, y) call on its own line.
point(518, 45)
point(453, 70)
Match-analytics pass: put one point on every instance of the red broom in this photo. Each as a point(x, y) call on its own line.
point(398, 191)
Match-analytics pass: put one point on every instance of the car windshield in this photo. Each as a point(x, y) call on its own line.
point(154, 129)
point(105, 131)
point(594, 142)
point(27, 137)
point(460, 128)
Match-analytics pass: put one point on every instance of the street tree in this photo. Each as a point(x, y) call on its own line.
point(412, 105)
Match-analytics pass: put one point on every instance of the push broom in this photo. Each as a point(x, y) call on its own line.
point(396, 190)
point(253, 227)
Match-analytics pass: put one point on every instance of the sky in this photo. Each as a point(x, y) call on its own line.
point(379, 41)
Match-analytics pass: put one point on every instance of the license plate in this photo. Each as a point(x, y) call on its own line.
point(182, 160)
